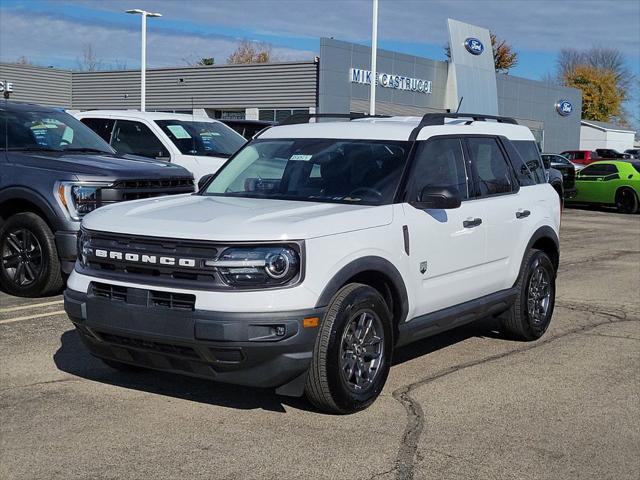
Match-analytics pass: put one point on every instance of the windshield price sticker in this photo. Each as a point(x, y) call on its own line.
point(178, 131)
point(302, 158)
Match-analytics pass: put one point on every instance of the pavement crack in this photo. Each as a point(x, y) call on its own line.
point(35, 384)
point(415, 423)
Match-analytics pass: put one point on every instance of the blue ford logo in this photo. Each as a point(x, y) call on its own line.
point(564, 107)
point(474, 46)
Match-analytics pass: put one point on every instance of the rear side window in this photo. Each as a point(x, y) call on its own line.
point(492, 171)
point(601, 170)
point(439, 163)
point(528, 151)
point(136, 138)
point(102, 126)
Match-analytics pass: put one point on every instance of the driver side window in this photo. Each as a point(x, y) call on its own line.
point(439, 163)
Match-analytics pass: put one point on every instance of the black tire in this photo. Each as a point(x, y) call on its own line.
point(328, 386)
point(626, 200)
point(37, 271)
point(122, 367)
point(519, 322)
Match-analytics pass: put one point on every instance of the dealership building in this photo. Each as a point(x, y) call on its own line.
point(338, 81)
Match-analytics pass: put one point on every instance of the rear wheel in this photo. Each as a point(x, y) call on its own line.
point(352, 353)
point(626, 200)
point(29, 264)
point(530, 315)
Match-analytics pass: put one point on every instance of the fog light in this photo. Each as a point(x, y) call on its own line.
point(280, 331)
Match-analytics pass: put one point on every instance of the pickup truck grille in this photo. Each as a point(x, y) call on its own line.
point(137, 189)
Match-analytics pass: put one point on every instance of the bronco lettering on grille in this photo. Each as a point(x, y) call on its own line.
point(144, 258)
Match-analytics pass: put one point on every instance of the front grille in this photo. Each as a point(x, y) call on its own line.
point(160, 347)
point(137, 189)
point(146, 298)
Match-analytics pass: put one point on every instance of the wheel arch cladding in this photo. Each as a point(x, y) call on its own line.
point(18, 200)
point(379, 274)
point(545, 239)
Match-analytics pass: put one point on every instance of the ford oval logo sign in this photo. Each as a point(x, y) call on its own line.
point(474, 46)
point(564, 107)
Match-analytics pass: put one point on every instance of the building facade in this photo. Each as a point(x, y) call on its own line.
point(336, 82)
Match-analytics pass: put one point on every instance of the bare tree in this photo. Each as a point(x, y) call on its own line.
point(194, 61)
point(22, 60)
point(252, 52)
point(89, 61)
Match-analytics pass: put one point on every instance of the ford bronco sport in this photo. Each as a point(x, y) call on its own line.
point(54, 170)
point(318, 249)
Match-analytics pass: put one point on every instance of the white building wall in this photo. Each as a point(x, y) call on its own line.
point(620, 141)
point(591, 138)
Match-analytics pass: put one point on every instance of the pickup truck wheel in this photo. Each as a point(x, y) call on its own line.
point(626, 200)
point(530, 315)
point(352, 353)
point(29, 265)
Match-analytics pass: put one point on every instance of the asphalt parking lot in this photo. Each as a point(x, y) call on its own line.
point(466, 404)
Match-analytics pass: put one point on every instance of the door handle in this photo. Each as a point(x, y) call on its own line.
point(522, 213)
point(472, 222)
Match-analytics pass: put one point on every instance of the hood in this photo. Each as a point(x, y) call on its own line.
point(198, 217)
point(96, 165)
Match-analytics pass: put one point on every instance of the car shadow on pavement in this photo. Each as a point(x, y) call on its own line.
point(72, 357)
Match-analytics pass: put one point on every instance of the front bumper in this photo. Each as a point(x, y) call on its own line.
point(67, 246)
point(266, 350)
point(570, 192)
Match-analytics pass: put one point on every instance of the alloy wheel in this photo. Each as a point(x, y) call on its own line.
point(21, 257)
point(362, 350)
point(539, 294)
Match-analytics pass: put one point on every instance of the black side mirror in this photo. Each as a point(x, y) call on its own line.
point(204, 180)
point(437, 197)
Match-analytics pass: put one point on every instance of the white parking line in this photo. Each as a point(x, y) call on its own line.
point(33, 305)
point(29, 317)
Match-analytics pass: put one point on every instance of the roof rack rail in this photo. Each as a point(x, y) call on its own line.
point(430, 119)
point(305, 117)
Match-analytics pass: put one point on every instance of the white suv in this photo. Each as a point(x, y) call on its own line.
point(198, 143)
point(318, 249)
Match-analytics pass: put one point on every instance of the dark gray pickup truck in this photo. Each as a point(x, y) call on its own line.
point(53, 171)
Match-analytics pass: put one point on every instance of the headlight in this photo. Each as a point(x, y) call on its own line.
point(78, 199)
point(260, 266)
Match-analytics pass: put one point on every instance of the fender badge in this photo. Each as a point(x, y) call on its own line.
point(423, 267)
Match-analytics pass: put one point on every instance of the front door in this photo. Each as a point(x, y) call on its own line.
point(446, 247)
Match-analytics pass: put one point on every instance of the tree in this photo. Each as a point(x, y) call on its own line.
point(194, 61)
point(601, 60)
point(601, 97)
point(89, 61)
point(22, 60)
point(252, 52)
point(504, 58)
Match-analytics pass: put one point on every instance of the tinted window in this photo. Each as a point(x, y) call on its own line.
point(492, 172)
point(599, 170)
point(439, 163)
point(48, 130)
point(314, 169)
point(137, 139)
point(528, 151)
point(102, 126)
point(202, 137)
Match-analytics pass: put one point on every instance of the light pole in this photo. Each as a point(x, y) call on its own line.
point(374, 57)
point(143, 55)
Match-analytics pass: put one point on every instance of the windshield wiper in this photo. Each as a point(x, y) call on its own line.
point(215, 154)
point(85, 149)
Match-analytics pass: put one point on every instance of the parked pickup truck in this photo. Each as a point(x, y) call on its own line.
point(582, 157)
point(53, 171)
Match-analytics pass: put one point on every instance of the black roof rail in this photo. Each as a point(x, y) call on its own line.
point(430, 119)
point(305, 117)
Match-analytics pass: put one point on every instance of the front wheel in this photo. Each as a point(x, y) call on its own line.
point(352, 353)
point(530, 315)
point(29, 265)
point(626, 200)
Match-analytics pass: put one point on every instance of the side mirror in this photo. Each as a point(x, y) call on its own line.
point(437, 197)
point(546, 162)
point(204, 180)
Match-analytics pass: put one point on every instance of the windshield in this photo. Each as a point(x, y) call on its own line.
point(319, 170)
point(202, 138)
point(48, 131)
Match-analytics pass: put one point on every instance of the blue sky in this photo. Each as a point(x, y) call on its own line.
point(53, 32)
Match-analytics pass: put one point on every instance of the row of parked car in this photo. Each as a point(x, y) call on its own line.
point(603, 177)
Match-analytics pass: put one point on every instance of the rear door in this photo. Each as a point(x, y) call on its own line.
point(446, 247)
point(135, 138)
point(508, 209)
point(102, 126)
